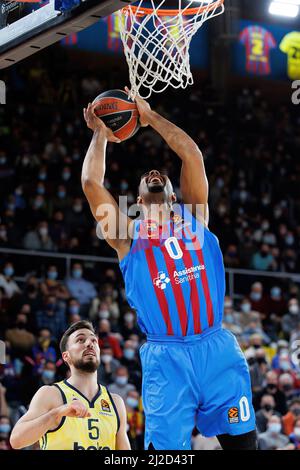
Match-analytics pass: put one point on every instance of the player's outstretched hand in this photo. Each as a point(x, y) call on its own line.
point(143, 108)
point(94, 122)
point(76, 409)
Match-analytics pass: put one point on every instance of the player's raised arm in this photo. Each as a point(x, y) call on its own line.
point(122, 441)
point(45, 413)
point(103, 206)
point(193, 180)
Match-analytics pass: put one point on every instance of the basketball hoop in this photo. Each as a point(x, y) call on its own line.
point(156, 42)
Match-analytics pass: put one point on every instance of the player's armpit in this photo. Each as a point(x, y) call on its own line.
point(40, 418)
point(122, 441)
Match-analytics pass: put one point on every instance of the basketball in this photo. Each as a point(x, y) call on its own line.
point(118, 112)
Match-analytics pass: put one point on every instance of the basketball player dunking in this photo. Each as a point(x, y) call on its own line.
point(194, 372)
point(78, 413)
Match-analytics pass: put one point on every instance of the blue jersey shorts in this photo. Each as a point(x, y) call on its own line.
point(201, 381)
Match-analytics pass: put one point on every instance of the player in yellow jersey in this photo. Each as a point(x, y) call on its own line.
point(78, 413)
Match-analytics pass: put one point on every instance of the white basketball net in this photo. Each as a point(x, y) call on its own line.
point(156, 45)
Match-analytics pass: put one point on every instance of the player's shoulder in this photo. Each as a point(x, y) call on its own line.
point(50, 394)
point(119, 402)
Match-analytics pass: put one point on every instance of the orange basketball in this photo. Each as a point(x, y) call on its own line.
point(118, 112)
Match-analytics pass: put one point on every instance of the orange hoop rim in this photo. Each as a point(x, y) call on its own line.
point(173, 12)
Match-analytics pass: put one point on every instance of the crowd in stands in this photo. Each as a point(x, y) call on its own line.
point(250, 152)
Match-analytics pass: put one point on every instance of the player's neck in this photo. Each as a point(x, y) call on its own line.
point(159, 213)
point(85, 382)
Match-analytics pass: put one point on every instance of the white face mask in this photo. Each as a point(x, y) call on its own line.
point(297, 432)
point(294, 309)
point(106, 358)
point(104, 314)
point(275, 428)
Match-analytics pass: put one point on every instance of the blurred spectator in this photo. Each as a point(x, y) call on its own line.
point(257, 298)
point(51, 286)
point(20, 339)
point(273, 439)
point(39, 239)
point(262, 260)
point(266, 411)
point(286, 385)
point(108, 366)
point(7, 282)
point(289, 419)
point(258, 369)
point(5, 429)
point(135, 420)
point(295, 435)
point(52, 317)
point(106, 338)
point(291, 319)
point(271, 388)
point(120, 384)
point(42, 351)
point(81, 289)
point(129, 326)
point(131, 362)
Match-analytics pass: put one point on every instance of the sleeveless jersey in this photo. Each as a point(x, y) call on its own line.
point(95, 433)
point(174, 277)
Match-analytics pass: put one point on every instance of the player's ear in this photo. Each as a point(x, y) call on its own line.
point(66, 356)
point(139, 200)
point(173, 198)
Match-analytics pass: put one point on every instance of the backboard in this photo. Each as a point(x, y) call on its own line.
point(26, 28)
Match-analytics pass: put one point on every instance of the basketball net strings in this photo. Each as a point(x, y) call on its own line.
point(157, 47)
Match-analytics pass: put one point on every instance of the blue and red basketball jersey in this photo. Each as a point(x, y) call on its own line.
point(174, 277)
point(258, 42)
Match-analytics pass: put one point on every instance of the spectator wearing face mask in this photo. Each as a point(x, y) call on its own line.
point(19, 337)
point(286, 385)
point(31, 293)
point(81, 289)
point(230, 318)
point(282, 346)
point(51, 286)
point(76, 217)
point(295, 435)
point(73, 310)
point(43, 351)
point(272, 438)
point(291, 319)
point(246, 314)
point(52, 316)
point(120, 384)
point(5, 429)
point(289, 419)
point(276, 302)
point(7, 282)
point(106, 338)
point(258, 299)
point(255, 342)
point(48, 374)
point(39, 239)
point(271, 388)
point(108, 366)
point(130, 360)
point(129, 326)
point(258, 370)
point(135, 420)
point(263, 259)
point(267, 409)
